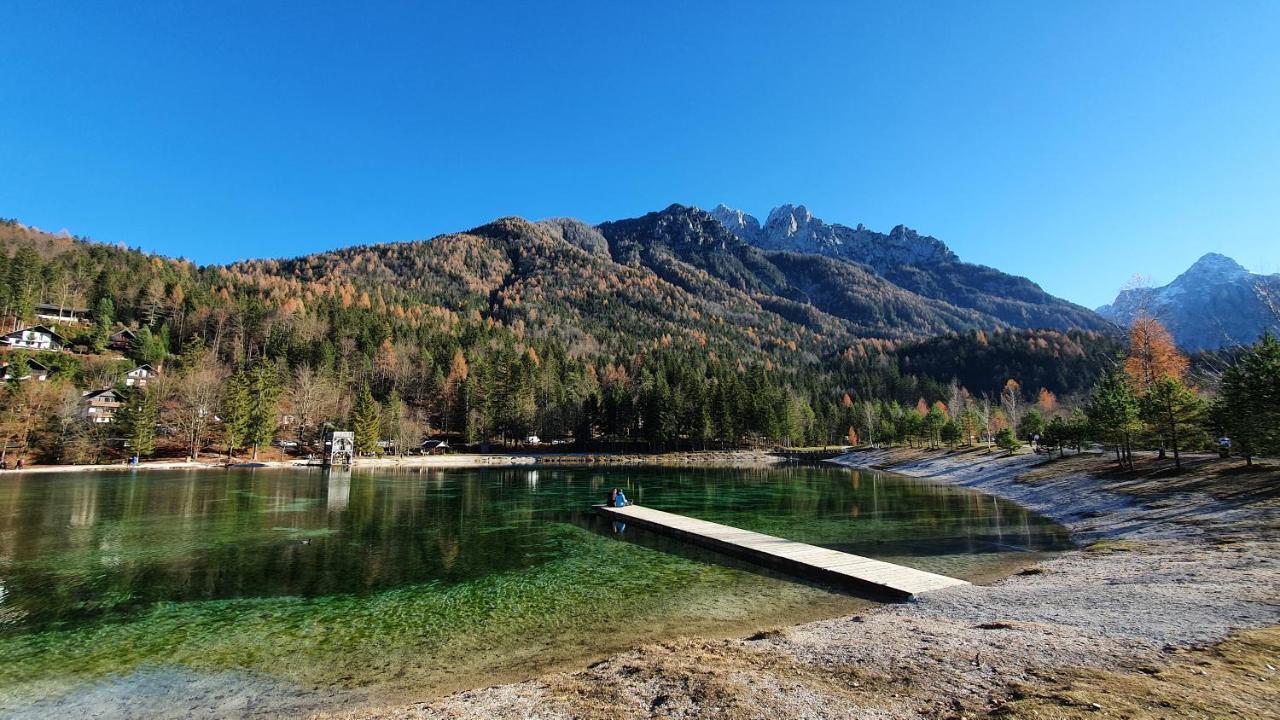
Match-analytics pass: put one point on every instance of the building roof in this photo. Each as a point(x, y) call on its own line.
point(106, 394)
point(61, 308)
point(38, 328)
point(31, 363)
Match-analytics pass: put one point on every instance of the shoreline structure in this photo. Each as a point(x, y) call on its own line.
point(1156, 613)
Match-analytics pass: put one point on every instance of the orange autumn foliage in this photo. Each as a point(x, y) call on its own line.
point(1152, 354)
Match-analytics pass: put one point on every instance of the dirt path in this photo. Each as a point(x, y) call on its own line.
point(1125, 627)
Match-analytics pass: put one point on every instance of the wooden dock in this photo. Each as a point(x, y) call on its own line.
point(794, 558)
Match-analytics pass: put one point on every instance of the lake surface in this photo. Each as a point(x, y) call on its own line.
point(260, 591)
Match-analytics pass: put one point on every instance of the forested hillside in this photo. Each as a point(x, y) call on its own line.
point(665, 330)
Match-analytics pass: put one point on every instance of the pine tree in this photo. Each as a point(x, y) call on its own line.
point(264, 407)
point(396, 424)
point(103, 320)
point(236, 412)
point(933, 422)
point(366, 421)
point(1172, 410)
point(1113, 410)
point(1249, 406)
point(137, 422)
point(1032, 424)
point(1006, 440)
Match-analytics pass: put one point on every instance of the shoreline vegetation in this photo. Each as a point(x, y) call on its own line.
point(1168, 608)
point(705, 458)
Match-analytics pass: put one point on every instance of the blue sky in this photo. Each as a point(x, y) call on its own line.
point(1076, 144)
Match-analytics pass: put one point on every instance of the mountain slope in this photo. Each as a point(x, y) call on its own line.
point(1215, 304)
point(919, 264)
point(690, 240)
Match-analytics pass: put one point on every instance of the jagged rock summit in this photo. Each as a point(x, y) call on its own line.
point(793, 228)
point(920, 264)
point(1215, 303)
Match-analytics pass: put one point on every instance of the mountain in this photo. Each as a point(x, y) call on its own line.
point(793, 228)
point(656, 329)
point(1215, 304)
point(919, 264)
point(689, 248)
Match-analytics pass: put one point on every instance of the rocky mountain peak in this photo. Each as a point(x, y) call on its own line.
point(794, 228)
point(1214, 265)
point(737, 222)
point(1215, 303)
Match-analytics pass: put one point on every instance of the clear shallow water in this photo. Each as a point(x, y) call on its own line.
point(394, 584)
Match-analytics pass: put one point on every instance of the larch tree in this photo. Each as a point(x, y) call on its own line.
point(1011, 401)
point(1046, 403)
point(1152, 354)
point(192, 399)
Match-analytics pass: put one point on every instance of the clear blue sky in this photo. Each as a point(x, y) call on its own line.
point(1076, 144)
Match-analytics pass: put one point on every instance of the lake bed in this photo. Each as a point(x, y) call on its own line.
point(287, 589)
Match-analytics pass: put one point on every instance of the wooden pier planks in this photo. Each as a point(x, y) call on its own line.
point(800, 559)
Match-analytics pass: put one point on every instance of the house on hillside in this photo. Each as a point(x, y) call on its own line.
point(122, 339)
point(61, 313)
point(100, 406)
point(28, 370)
point(38, 337)
point(139, 376)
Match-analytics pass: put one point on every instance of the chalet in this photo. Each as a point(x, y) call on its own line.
point(61, 313)
point(434, 447)
point(34, 338)
point(122, 339)
point(139, 376)
point(100, 406)
point(33, 370)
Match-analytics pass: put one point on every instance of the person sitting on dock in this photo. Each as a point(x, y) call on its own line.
point(617, 499)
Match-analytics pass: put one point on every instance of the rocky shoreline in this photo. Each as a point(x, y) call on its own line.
point(1168, 566)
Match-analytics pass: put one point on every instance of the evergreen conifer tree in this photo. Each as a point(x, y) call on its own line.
point(366, 421)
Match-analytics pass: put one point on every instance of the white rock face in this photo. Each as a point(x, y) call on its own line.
point(794, 228)
point(1215, 303)
point(739, 223)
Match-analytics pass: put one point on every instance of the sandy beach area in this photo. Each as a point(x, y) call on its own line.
point(1168, 609)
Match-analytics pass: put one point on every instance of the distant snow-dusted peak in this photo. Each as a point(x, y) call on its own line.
point(1215, 303)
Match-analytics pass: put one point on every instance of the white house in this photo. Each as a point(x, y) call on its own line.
point(38, 337)
point(139, 376)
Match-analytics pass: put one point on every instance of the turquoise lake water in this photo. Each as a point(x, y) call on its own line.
point(290, 590)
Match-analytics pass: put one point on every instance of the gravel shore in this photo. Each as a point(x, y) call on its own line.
point(1167, 564)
